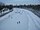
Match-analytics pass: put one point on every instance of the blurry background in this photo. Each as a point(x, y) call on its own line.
point(31, 4)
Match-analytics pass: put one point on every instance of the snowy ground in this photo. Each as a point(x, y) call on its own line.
point(28, 20)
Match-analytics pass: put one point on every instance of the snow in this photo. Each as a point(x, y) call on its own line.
point(28, 20)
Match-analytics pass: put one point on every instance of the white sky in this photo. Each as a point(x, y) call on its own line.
point(21, 1)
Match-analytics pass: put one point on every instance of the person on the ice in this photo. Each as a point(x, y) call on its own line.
point(19, 21)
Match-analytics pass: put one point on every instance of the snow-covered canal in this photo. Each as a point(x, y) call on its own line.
point(20, 19)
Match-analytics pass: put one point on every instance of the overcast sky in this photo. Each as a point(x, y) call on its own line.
point(20, 1)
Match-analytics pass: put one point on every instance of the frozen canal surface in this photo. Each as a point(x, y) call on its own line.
point(20, 19)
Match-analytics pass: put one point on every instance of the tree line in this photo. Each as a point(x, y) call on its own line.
point(35, 7)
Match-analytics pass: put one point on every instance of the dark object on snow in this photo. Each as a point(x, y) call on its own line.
point(18, 22)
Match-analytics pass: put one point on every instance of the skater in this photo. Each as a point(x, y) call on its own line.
point(18, 22)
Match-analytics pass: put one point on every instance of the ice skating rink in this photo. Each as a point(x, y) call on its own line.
point(20, 19)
